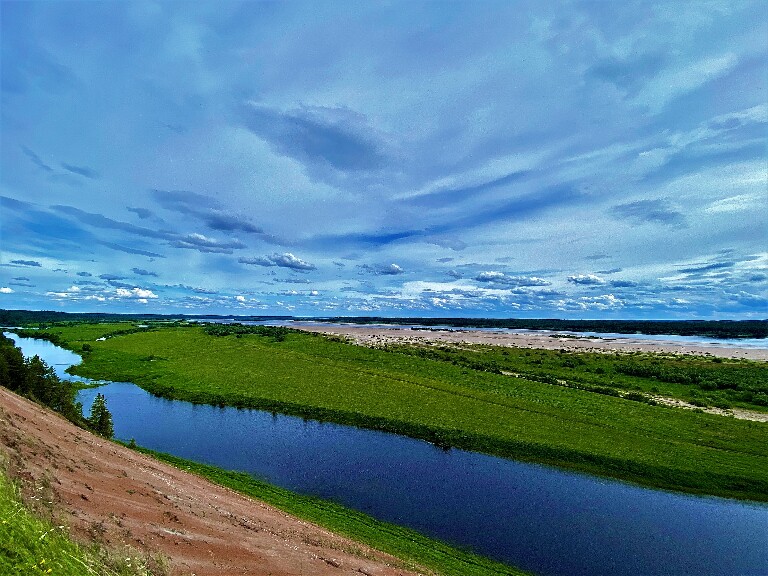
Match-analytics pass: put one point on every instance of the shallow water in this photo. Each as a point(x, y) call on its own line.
point(538, 518)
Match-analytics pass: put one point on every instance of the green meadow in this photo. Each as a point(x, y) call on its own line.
point(579, 411)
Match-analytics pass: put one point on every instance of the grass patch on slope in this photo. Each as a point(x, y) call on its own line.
point(30, 545)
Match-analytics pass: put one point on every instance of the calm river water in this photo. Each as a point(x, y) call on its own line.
point(541, 519)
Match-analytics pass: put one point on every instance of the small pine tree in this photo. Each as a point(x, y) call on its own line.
point(100, 419)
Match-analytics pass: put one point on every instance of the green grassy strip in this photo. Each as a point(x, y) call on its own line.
point(414, 549)
point(706, 380)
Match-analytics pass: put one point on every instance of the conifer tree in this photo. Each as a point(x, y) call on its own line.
point(100, 419)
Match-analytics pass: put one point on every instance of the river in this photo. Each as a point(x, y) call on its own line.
point(542, 519)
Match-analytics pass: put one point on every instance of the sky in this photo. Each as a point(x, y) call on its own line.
point(475, 159)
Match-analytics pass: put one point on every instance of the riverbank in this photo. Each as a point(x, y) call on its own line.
point(378, 336)
point(111, 494)
point(453, 401)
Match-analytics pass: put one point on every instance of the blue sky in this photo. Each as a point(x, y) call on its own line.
point(501, 159)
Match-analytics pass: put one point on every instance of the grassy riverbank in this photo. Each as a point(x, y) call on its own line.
point(446, 400)
point(415, 549)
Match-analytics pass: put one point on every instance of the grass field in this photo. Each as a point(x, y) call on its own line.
point(445, 399)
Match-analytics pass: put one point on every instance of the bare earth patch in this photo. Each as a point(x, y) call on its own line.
point(116, 496)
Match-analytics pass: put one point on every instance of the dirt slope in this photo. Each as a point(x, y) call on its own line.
point(118, 496)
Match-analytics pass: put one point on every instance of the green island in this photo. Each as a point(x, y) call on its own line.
point(594, 412)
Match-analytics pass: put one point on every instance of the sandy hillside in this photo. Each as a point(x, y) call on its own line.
point(106, 491)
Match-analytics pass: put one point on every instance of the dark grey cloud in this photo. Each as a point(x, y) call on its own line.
point(256, 261)
point(586, 280)
point(32, 263)
point(623, 283)
point(130, 250)
point(707, 267)
point(118, 284)
point(335, 137)
point(101, 221)
point(285, 260)
point(142, 213)
point(81, 171)
point(450, 242)
point(610, 271)
point(21, 279)
point(649, 211)
point(36, 160)
point(516, 209)
point(361, 240)
point(204, 244)
point(229, 223)
point(84, 274)
point(450, 196)
point(454, 274)
point(382, 269)
point(184, 201)
point(501, 279)
point(142, 272)
point(22, 284)
point(17, 205)
point(293, 280)
point(759, 277)
point(205, 208)
point(188, 241)
point(444, 260)
point(193, 289)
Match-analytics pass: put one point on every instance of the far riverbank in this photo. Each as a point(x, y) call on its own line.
point(379, 335)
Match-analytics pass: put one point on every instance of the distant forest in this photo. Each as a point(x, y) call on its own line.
point(708, 328)
point(27, 317)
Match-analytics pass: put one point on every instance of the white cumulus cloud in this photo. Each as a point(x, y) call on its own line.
point(135, 293)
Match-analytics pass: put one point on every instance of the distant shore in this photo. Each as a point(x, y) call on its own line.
point(372, 335)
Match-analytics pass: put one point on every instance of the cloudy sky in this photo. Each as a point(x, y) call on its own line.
point(502, 159)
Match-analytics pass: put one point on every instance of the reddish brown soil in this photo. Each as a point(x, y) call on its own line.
point(106, 492)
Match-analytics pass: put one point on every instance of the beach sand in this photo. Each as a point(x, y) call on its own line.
point(376, 335)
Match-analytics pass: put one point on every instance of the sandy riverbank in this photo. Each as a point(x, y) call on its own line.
point(372, 335)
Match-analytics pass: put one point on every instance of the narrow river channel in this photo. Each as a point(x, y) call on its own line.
point(541, 519)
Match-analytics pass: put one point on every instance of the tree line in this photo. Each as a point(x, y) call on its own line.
point(34, 379)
